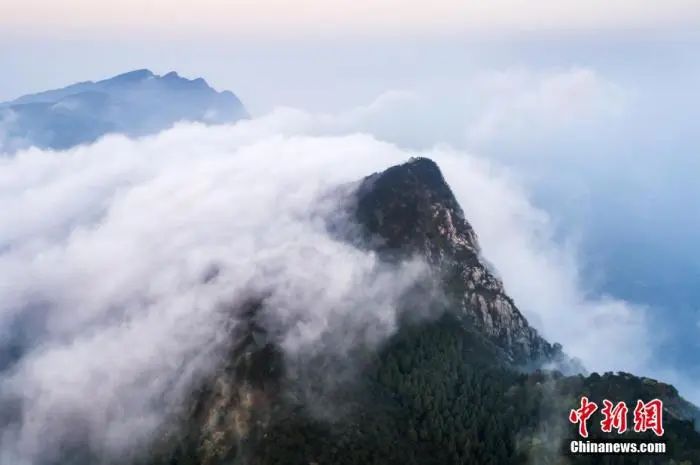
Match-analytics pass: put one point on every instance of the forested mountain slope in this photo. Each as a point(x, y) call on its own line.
point(458, 383)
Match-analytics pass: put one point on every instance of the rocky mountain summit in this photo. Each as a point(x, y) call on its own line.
point(134, 103)
point(461, 378)
point(410, 210)
point(462, 386)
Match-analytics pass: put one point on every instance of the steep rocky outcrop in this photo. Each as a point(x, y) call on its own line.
point(410, 210)
point(446, 389)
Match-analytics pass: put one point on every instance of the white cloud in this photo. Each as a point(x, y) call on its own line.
point(105, 270)
point(105, 259)
point(542, 274)
point(491, 107)
point(523, 104)
point(9, 142)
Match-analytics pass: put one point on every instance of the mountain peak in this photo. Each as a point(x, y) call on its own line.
point(131, 76)
point(425, 168)
point(410, 210)
point(135, 103)
point(417, 170)
point(410, 206)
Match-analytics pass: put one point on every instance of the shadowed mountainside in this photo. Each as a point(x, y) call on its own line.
point(458, 386)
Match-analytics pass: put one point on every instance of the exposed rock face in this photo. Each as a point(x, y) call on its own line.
point(232, 407)
point(410, 210)
point(405, 211)
point(248, 407)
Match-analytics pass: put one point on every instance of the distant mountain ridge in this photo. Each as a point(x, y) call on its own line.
point(135, 103)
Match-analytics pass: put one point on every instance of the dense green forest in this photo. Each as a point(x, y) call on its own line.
point(435, 395)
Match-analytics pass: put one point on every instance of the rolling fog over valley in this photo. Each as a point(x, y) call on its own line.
point(296, 236)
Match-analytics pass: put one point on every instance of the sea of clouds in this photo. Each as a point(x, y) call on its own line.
point(109, 309)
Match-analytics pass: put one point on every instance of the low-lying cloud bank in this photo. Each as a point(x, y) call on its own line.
point(107, 251)
point(125, 257)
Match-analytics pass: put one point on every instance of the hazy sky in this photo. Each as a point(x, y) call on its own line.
point(283, 52)
point(283, 18)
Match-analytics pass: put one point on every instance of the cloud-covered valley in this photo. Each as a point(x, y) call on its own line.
point(119, 260)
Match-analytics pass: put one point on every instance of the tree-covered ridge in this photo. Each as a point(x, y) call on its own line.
point(457, 387)
point(434, 396)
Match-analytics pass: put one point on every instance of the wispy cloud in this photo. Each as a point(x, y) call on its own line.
point(524, 104)
point(107, 294)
